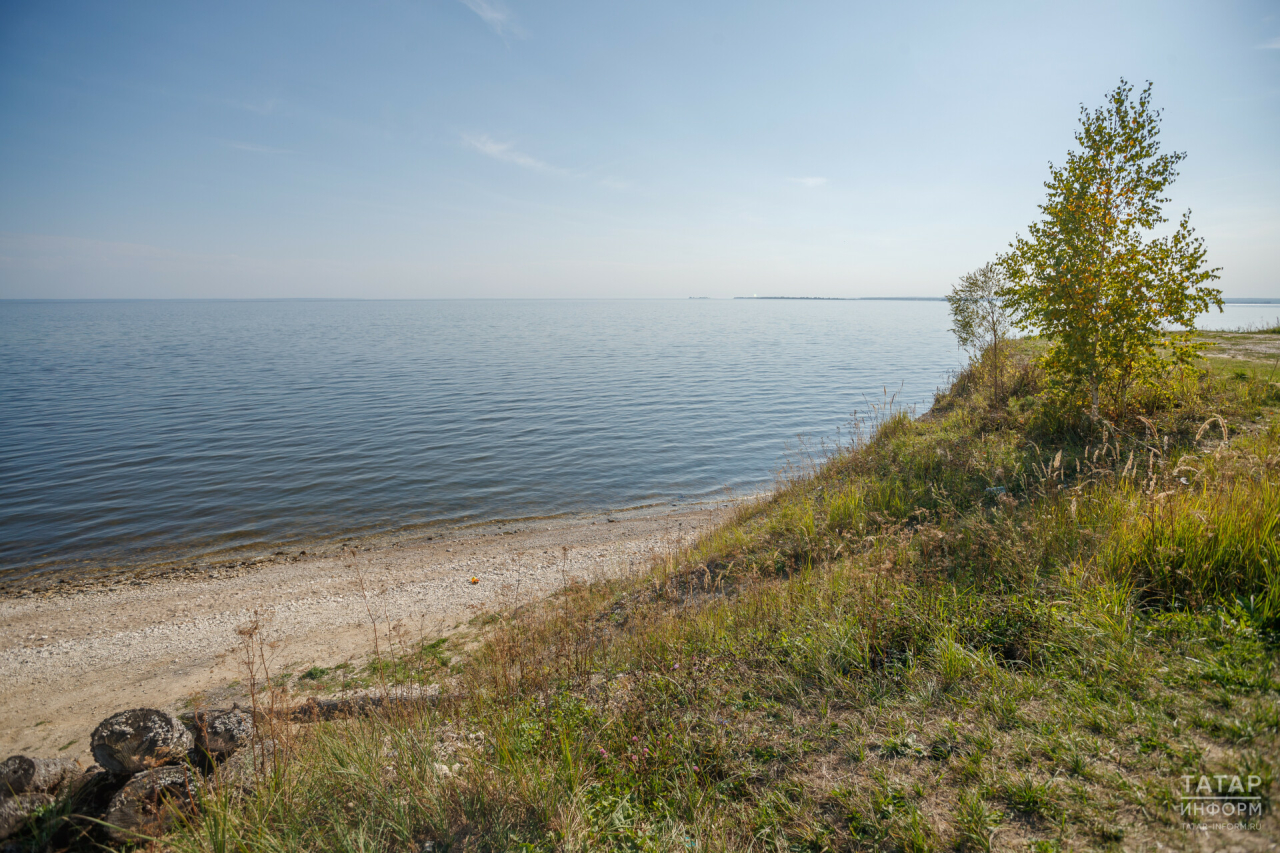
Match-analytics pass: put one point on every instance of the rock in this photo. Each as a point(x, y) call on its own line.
point(15, 810)
point(241, 770)
point(94, 785)
point(22, 775)
point(365, 704)
point(222, 732)
point(132, 741)
point(148, 803)
point(93, 779)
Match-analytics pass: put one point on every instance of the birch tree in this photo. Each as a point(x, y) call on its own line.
point(1091, 277)
point(981, 320)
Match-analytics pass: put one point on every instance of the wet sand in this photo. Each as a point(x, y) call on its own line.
point(74, 653)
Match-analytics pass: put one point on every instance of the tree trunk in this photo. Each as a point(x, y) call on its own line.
point(1093, 395)
point(995, 372)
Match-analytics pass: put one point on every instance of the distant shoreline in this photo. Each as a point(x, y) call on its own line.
point(852, 298)
point(1232, 301)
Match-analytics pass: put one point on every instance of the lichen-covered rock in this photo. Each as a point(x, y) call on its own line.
point(147, 804)
point(15, 810)
point(91, 792)
point(222, 732)
point(243, 769)
point(84, 780)
point(22, 775)
point(366, 704)
point(133, 741)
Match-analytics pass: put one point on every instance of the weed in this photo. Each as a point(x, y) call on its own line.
point(975, 822)
point(1027, 795)
point(904, 746)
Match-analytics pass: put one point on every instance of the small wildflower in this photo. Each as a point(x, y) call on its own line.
point(695, 768)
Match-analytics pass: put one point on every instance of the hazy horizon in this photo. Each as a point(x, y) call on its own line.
point(485, 149)
point(1229, 300)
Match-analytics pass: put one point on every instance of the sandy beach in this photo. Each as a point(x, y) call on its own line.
point(71, 654)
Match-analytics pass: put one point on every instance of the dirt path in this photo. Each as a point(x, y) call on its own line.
point(69, 659)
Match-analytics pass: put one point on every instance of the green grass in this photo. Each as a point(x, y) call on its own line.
point(963, 632)
point(1218, 540)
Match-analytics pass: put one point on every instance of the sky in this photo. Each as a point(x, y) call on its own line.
point(506, 148)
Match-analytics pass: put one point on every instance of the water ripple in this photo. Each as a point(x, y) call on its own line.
point(129, 430)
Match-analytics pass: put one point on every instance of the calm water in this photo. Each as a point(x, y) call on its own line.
point(147, 430)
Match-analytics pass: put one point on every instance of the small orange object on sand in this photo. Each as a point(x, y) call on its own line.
point(475, 580)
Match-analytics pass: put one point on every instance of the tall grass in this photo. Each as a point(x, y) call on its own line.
point(1217, 541)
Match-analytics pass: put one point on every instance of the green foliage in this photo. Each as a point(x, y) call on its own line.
point(1090, 278)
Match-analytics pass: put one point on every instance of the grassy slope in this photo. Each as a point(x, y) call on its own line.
point(960, 633)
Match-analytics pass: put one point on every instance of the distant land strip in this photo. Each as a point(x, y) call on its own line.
point(1245, 300)
point(853, 298)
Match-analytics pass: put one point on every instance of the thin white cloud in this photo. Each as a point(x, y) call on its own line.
point(507, 153)
point(612, 183)
point(258, 149)
point(812, 183)
point(1274, 44)
point(496, 15)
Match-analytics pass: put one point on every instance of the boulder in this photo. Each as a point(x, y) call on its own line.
point(133, 741)
point(15, 810)
point(241, 771)
point(222, 732)
point(22, 775)
point(148, 803)
point(361, 705)
point(93, 784)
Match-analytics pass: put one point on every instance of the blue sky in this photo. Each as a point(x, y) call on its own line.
point(477, 148)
